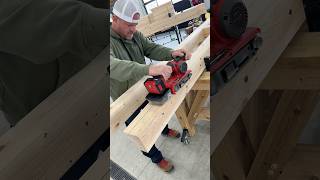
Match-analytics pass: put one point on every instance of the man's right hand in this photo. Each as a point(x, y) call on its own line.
point(160, 69)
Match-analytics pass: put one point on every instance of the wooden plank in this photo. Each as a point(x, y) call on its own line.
point(189, 99)
point(47, 142)
point(199, 100)
point(303, 45)
point(303, 164)
point(127, 103)
point(278, 27)
point(257, 114)
point(182, 117)
point(147, 126)
point(299, 66)
point(203, 82)
point(162, 22)
point(295, 74)
point(290, 117)
point(204, 114)
point(233, 157)
point(99, 169)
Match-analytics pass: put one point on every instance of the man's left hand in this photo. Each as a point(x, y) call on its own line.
point(181, 52)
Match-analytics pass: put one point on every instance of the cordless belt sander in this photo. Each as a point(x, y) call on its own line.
point(232, 43)
point(159, 88)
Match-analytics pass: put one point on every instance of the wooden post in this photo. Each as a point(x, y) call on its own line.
point(292, 113)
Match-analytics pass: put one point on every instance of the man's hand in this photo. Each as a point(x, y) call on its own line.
point(160, 69)
point(181, 52)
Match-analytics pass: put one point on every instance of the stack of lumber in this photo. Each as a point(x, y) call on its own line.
point(164, 17)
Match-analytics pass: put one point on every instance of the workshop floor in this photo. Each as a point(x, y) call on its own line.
point(191, 161)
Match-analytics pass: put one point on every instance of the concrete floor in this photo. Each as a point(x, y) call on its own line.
point(191, 161)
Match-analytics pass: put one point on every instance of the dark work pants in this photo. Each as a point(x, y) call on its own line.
point(154, 154)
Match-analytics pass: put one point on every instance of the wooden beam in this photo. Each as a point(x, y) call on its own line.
point(299, 65)
point(233, 157)
point(127, 103)
point(204, 114)
point(303, 164)
point(294, 74)
point(147, 126)
point(203, 82)
point(199, 100)
point(188, 112)
point(100, 169)
point(303, 45)
point(289, 119)
point(182, 117)
point(279, 21)
point(47, 142)
point(257, 115)
point(159, 20)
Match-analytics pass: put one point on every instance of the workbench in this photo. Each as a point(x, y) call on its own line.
point(191, 109)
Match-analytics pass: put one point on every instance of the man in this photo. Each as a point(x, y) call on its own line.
point(42, 44)
point(128, 49)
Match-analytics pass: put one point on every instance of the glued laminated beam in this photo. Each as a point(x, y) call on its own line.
point(279, 21)
point(148, 125)
point(52, 137)
point(127, 103)
point(299, 65)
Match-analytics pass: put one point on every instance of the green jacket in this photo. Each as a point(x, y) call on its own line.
point(127, 60)
point(42, 44)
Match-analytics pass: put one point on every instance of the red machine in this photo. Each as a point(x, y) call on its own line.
point(159, 88)
point(232, 43)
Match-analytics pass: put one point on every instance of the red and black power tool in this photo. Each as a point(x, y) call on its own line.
point(159, 88)
point(232, 43)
